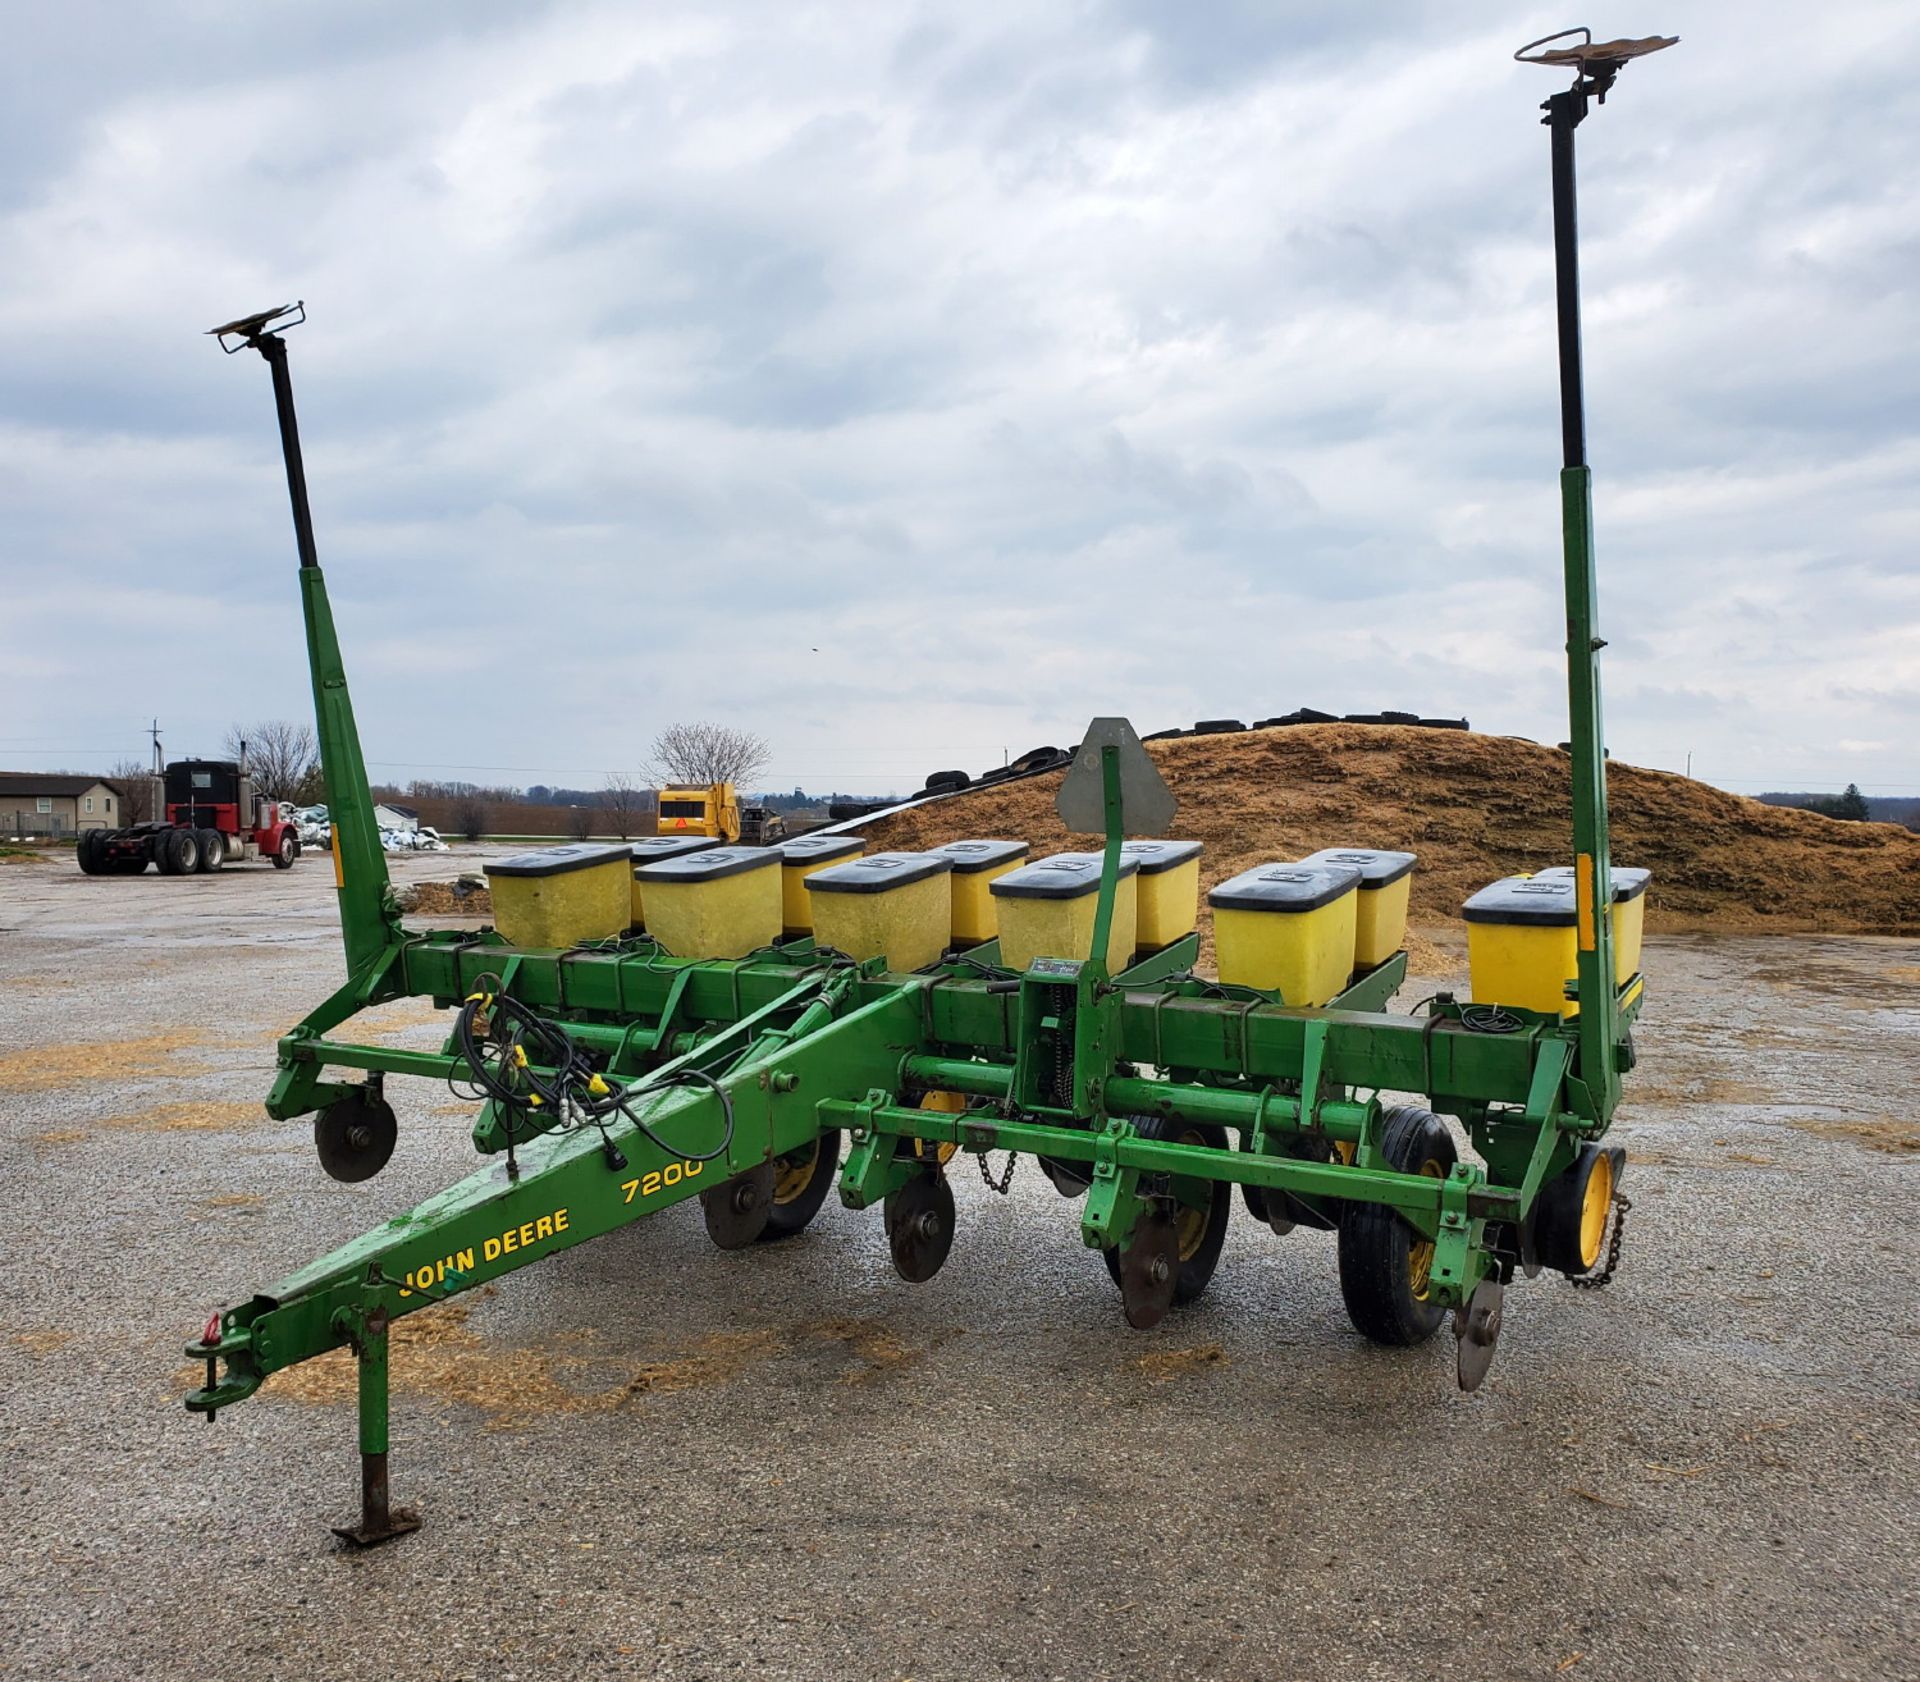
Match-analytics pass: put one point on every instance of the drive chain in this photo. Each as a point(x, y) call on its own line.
point(1598, 1281)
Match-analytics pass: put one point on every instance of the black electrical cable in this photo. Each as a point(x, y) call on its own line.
point(681, 1077)
point(506, 1062)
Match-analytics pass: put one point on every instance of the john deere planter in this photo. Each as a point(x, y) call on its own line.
point(617, 1077)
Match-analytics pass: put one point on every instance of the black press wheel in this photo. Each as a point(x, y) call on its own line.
point(1384, 1263)
point(1200, 1226)
point(288, 851)
point(213, 848)
point(801, 1181)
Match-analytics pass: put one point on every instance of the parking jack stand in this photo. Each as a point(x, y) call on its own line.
point(380, 1521)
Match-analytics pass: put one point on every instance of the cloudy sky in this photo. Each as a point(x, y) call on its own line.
point(913, 382)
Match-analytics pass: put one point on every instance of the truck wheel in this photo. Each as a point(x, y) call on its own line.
point(182, 857)
point(213, 848)
point(88, 852)
point(163, 853)
point(288, 852)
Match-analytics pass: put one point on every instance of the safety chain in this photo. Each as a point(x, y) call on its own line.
point(1006, 1178)
point(1598, 1281)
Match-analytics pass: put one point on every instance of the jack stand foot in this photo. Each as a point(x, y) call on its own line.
point(379, 1522)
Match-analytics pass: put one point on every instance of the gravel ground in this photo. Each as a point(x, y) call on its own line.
point(648, 1458)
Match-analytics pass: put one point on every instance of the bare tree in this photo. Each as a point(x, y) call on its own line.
point(623, 801)
point(707, 753)
point(580, 822)
point(470, 814)
point(281, 756)
point(134, 779)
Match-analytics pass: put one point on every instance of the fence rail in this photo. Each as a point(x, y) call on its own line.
point(22, 825)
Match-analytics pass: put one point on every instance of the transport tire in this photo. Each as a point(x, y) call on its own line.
point(1570, 1218)
point(1201, 1230)
point(289, 850)
point(801, 1181)
point(941, 780)
point(1217, 726)
point(1383, 1261)
point(213, 849)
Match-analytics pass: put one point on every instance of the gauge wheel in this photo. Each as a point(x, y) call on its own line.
point(940, 1103)
point(801, 1181)
point(1200, 1226)
point(1570, 1218)
point(1384, 1262)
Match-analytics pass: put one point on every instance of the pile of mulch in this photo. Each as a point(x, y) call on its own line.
point(1476, 808)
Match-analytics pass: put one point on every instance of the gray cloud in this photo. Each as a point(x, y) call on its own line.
point(1028, 364)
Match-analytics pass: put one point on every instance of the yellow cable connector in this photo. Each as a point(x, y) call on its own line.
point(519, 1056)
point(597, 1086)
point(479, 998)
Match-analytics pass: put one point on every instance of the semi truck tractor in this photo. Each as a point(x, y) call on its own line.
point(213, 817)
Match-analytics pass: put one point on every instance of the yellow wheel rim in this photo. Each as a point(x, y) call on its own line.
point(1189, 1222)
point(793, 1174)
point(1420, 1251)
point(941, 1103)
point(1594, 1206)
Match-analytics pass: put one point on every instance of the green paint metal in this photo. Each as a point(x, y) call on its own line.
point(1063, 1060)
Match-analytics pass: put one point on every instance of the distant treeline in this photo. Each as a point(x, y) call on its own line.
point(1874, 808)
point(617, 811)
point(543, 794)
